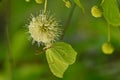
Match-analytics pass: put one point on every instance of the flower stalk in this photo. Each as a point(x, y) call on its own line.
point(9, 53)
point(108, 33)
point(45, 6)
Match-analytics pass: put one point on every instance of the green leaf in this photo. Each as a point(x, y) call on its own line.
point(59, 57)
point(111, 12)
point(78, 3)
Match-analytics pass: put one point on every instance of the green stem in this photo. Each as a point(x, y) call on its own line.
point(108, 33)
point(68, 21)
point(45, 6)
point(10, 60)
point(9, 53)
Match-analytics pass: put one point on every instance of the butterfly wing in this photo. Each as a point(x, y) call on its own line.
point(57, 66)
point(66, 52)
point(59, 57)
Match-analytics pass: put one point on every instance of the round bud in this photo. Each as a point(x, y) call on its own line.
point(27, 0)
point(96, 12)
point(39, 1)
point(107, 48)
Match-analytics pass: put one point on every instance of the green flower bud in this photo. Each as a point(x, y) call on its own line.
point(27, 0)
point(39, 1)
point(96, 12)
point(107, 48)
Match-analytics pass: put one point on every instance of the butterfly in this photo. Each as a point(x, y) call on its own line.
point(59, 57)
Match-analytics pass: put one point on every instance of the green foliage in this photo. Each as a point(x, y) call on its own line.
point(59, 57)
point(111, 12)
point(85, 33)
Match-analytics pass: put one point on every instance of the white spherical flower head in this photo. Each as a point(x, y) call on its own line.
point(44, 29)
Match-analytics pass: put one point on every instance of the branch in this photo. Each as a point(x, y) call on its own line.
point(68, 20)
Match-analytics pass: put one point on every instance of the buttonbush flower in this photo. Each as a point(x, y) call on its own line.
point(44, 29)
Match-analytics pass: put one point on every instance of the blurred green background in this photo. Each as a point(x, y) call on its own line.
point(86, 34)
